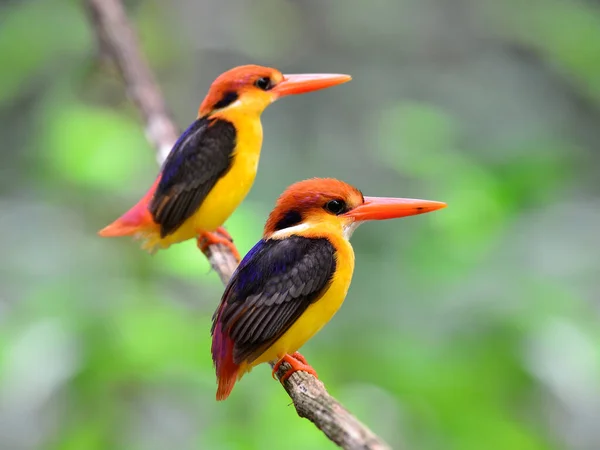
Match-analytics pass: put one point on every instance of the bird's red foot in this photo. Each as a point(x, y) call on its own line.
point(219, 236)
point(298, 362)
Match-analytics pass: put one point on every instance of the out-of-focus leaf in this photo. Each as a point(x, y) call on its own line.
point(96, 147)
point(142, 339)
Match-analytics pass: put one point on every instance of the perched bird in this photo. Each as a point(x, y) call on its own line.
point(212, 166)
point(292, 282)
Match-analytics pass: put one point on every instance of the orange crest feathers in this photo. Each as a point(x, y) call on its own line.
point(232, 81)
point(308, 194)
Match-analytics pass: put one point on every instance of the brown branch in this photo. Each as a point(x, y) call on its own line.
point(116, 37)
point(313, 402)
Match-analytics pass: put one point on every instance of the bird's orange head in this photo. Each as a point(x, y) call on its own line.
point(253, 88)
point(320, 205)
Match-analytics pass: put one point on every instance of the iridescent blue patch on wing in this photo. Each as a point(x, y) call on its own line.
point(249, 273)
point(266, 259)
point(178, 153)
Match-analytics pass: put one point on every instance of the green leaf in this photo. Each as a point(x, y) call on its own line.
point(96, 147)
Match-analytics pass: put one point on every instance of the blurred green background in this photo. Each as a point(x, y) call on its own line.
point(474, 327)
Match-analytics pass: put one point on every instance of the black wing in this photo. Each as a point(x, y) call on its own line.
point(273, 285)
point(199, 158)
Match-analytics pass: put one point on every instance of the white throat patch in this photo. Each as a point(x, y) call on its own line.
point(349, 229)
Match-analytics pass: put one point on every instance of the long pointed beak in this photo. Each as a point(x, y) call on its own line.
point(380, 208)
point(302, 83)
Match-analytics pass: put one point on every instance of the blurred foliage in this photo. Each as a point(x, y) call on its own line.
point(476, 327)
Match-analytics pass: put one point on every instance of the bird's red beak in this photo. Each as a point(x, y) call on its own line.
point(302, 83)
point(380, 208)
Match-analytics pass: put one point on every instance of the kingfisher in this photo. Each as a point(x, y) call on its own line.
point(293, 281)
point(212, 166)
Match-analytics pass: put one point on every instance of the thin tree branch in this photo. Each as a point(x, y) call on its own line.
point(117, 38)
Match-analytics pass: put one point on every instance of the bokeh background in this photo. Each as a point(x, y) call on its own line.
point(473, 327)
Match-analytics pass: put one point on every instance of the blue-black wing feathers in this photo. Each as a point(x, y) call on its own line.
point(199, 158)
point(273, 285)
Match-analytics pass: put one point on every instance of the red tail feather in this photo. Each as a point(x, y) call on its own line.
point(227, 369)
point(135, 220)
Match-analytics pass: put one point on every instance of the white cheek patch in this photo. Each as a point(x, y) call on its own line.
point(235, 104)
point(279, 234)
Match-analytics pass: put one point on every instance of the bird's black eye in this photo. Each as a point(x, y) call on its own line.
point(263, 83)
point(336, 207)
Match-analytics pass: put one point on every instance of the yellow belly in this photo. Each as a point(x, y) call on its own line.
point(231, 189)
point(317, 314)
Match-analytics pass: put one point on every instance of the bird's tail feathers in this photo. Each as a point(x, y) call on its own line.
point(136, 222)
point(228, 372)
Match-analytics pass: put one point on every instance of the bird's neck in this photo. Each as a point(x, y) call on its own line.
point(248, 136)
point(246, 122)
point(333, 231)
point(313, 229)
